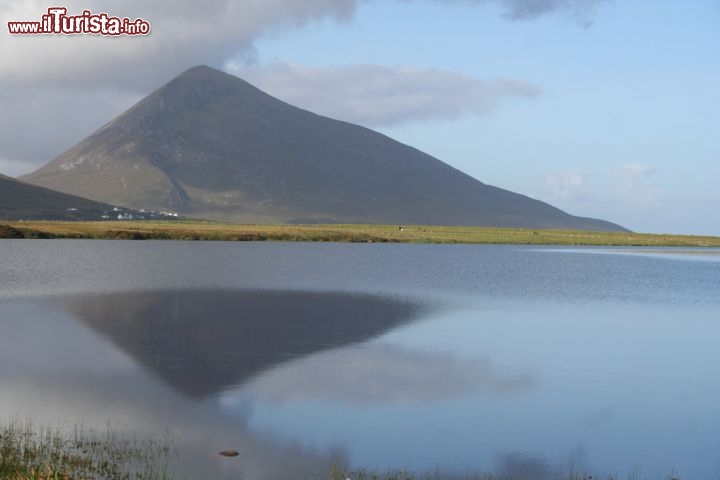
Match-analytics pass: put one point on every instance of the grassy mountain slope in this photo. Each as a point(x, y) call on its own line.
point(211, 145)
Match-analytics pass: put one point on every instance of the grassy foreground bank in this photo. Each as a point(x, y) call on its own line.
point(198, 230)
point(28, 453)
point(50, 453)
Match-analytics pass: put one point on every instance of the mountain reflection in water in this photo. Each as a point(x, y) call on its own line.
point(202, 342)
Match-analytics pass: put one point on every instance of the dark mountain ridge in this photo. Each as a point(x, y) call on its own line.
point(208, 144)
point(19, 200)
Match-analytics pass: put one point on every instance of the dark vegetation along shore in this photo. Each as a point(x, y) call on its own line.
point(198, 230)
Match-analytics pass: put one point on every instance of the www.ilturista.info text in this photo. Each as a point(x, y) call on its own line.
point(58, 22)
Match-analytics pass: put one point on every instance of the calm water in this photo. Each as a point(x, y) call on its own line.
point(512, 360)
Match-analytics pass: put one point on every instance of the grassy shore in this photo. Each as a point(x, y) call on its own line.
point(27, 453)
point(47, 453)
point(198, 230)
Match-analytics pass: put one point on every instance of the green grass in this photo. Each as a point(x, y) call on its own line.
point(51, 453)
point(199, 230)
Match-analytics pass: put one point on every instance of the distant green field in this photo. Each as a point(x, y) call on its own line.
point(198, 230)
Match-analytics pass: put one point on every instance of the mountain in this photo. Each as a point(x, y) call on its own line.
point(19, 200)
point(208, 144)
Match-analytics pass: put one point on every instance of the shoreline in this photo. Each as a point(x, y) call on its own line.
point(28, 452)
point(342, 233)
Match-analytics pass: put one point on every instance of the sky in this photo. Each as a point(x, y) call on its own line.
point(604, 108)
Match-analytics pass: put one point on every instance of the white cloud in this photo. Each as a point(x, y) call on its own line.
point(568, 185)
point(86, 77)
point(184, 33)
point(379, 374)
point(374, 95)
point(630, 173)
point(634, 188)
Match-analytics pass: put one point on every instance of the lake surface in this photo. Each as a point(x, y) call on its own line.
point(523, 361)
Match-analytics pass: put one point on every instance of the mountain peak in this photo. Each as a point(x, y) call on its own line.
point(200, 74)
point(208, 144)
point(202, 83)
point(202, 70)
